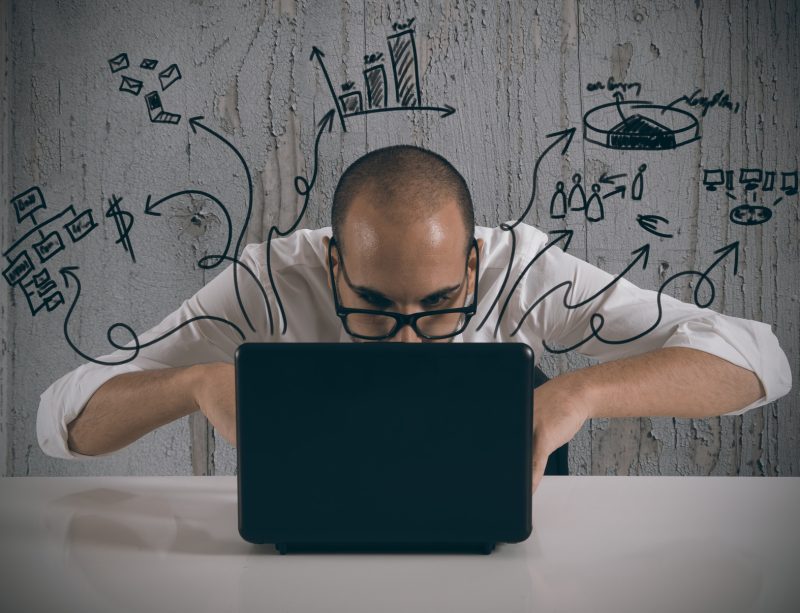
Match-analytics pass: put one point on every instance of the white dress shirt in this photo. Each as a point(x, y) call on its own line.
point(298, 265)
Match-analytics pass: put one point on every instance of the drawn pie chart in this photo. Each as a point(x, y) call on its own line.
point(639, 126)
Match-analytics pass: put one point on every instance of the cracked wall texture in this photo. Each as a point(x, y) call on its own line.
point(515, 72)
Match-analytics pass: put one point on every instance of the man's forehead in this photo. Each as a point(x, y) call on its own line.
point(370, 228)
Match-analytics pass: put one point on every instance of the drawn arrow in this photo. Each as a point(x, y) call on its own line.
point(642, 252)
point(316, 53)
point(723, 252)
point(596, 321)
point(303, 187)
point(194, 123)
point(618, 100)
point(564, 136)
point(619, 189)
point(150, 209)
point(566, 236)
point(445, 110)
point(68, 272)
point(610, 180)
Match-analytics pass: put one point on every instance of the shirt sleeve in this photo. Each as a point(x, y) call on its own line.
point(199, 341)
point(607, 326)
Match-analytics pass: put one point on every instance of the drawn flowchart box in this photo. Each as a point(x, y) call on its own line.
point(28, 202)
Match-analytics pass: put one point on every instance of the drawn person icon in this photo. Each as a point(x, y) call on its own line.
point(577, 197)
point(558, 203)
point(594, 208)
point(638, 183)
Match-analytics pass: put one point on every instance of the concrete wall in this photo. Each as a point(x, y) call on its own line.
point(515, 73)
point(5, 293)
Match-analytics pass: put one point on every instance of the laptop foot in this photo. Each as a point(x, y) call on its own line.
point(487, 548)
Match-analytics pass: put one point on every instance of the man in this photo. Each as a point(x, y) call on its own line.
point(403, 240)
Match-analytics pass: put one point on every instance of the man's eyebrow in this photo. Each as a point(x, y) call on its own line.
point(373, 292)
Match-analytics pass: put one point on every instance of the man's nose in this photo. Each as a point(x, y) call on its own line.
point(406, 334)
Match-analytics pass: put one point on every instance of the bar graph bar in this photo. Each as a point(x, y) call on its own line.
point(377, 94)
point(352, 103)
point(403, 50)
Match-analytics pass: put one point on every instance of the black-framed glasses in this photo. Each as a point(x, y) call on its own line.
point(376, 325)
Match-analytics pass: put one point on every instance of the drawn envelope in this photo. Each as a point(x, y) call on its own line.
point(168, 76)
point(130, 86)
point(148, 64)
point(120, 62)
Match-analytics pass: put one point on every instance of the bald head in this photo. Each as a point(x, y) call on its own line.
point(405, 187)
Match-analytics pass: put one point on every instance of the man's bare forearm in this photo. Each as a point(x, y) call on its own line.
point(130, 405)
point(673, 381)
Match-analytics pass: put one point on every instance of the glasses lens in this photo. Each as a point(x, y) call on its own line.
point(441, 325)
point(369, 325)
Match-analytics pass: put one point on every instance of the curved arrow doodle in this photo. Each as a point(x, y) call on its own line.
point(561, 234)
point(150, 209)
point(303, 187)
point(194, 123)
point(641, 252)
point(560, 136)
point(596, 321)
point(67, 272)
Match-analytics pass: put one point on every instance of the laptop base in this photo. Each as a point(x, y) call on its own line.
point(482, 548)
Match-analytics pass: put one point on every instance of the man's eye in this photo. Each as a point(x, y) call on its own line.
point(375, 301)
point(435, 301)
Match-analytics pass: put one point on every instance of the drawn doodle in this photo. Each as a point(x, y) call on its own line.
point(594, 207)
point(303, 187)
point(119, 62)
point(650, 223)
point(195, 123)
point(123, 220)
point(39, 288)
point(156, 111)
point(566, 137)
point(651, 127)
point(638, 183)
point(642, 253)
point(755, 182)
point(129, 85)
point(558, 203)
point(751, 178)
point(577, 196)
point(721, 99)
point(597, 321)
point(405, 70)
point(68, 272)
point(132, 85)
point(168, 76)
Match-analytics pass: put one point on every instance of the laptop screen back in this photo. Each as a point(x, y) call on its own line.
point(384, 442)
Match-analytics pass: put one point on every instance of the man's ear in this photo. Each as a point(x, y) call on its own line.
point(472, 259)
point(326, 241)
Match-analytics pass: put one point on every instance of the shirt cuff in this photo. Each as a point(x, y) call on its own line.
point(746, 343)
point(64, 400)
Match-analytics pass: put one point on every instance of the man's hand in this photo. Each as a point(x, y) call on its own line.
point(559, 412)
point(215, 397)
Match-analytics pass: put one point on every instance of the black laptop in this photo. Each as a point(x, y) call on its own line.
point(384, 446)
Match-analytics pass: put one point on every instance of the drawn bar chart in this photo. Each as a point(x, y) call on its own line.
point(351, 102)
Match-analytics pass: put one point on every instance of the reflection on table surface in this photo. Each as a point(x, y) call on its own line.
point(599, 543)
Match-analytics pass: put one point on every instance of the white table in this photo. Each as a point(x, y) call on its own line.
point(599, 544)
